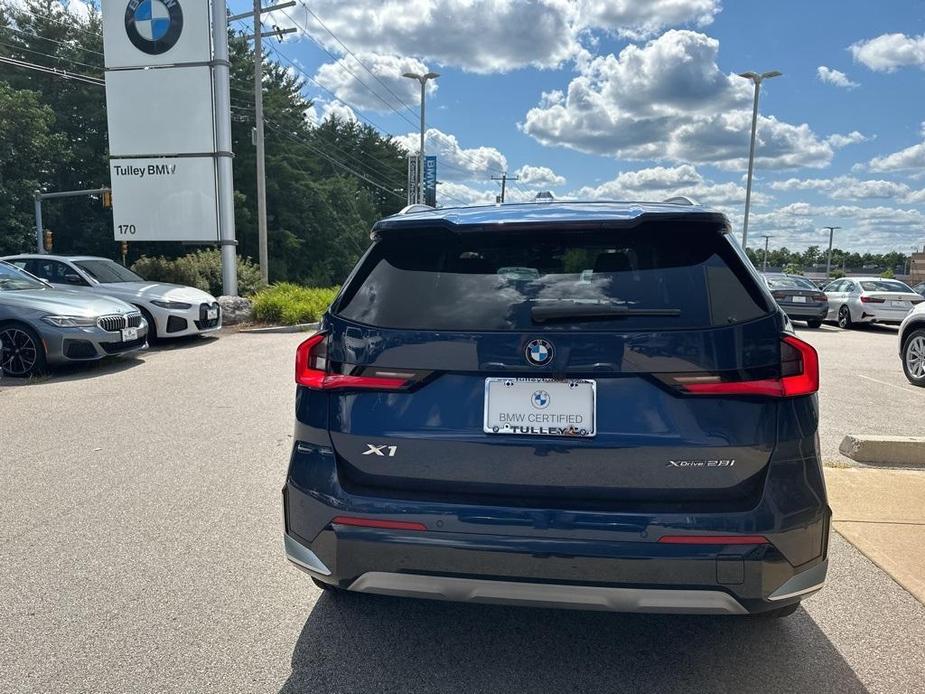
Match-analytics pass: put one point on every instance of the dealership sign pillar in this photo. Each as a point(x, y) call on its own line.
point(169, 116)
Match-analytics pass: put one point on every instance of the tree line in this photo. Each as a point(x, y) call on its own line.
point(814, 259)
point(53, 137)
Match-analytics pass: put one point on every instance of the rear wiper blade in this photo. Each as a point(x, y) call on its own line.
point(551, 312)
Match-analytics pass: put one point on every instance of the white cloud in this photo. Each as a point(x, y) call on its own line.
point(909, 158)
point(887, 52)
point(487, 36)
point(329, 109)
point(390, 91)
point(541, 176)
point(660, 183)
point(451, 194)
point(874, 229)
point(835, 77)
point(851, 188)
point(455, 162)
point(854, 137)
point(668, 100)
point(636, 19)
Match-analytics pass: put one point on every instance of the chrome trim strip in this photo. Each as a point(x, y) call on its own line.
point(303, 557)
point(795, 593)
point(549, 595)
point(804, 582)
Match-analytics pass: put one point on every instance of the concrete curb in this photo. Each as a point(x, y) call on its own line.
point(299, 328)
point(884, 450)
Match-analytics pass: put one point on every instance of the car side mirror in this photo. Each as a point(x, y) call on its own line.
point(73, 278)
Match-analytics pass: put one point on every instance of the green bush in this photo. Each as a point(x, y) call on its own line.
point(888, 274)
point(201, 269)
point(289, 303)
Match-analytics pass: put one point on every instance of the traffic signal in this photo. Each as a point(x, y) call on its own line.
point(107, 198)
point(49, 240)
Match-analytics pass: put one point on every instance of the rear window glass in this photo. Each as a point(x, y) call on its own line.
point(884, 286)
point(789, 283)
point(494, 281)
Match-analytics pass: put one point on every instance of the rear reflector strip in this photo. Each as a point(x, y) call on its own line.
point(713, 540)
point(377, 523)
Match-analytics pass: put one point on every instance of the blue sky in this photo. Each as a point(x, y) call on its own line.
point(639, 100)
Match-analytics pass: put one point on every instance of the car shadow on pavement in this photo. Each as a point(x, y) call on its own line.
point(186, 342)
point(77, 371)
point(354, 643)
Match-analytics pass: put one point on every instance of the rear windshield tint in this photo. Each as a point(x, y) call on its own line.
point(492, 281)
point(885, 286)
point(789, 283)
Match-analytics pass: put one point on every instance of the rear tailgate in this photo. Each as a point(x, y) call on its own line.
point(462, 312)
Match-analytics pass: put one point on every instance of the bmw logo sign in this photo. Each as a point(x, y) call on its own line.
point(153, 26)
point(538, 352)
point(540, 399)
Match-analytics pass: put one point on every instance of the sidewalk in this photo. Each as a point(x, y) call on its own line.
point(882, 513)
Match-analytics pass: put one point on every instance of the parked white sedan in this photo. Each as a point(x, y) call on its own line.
point(171, 310)
point(855, 300)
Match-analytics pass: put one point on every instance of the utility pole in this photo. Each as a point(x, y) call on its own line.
point(255, 15)
point(504, 178)
point(766, 237)
point(828, 262)
point(757, 80)
point(423, 80)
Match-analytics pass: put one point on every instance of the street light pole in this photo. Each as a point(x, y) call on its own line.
point(828, 262)
point(766, 237)
point(423, 80)
point(757, 80)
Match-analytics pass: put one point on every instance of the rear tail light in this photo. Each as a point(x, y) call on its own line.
point(779, 295)
point(313, 370)
point(820, 297)
point(799, 375)
point(872, 300)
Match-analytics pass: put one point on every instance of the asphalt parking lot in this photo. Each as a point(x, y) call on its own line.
point(140, 540)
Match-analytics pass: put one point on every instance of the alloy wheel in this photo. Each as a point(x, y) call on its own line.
point(19, 354)
point(915, 356)
point(844, 317)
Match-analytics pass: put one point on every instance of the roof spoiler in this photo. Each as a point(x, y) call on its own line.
point(680, 200)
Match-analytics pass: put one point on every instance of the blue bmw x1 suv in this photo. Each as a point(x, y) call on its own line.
point(583, 405)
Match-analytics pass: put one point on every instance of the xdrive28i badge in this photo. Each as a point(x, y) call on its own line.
point(538, 352)
point(153, 26)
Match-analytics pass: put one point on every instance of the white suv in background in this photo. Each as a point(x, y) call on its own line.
point(171, 310)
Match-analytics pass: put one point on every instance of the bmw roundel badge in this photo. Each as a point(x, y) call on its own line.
point(153, 26)
point(538, 352)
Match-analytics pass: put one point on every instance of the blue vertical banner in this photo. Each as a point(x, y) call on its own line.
point(430, 181)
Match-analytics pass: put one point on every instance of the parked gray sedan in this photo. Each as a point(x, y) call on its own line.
point(40, 325)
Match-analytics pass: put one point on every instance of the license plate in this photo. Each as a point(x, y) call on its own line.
point(898, 304)
point(129, 334)
point(799, 299)
point(211, 314)
point(540, 407)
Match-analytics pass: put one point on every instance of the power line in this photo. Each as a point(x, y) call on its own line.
point(362, 64)
point(62, 19)
point(64, 74)
point(349, 71)
point(60, 43)
point(49, 55)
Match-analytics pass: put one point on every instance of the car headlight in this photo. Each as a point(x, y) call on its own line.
point(171, 304)
point(70, 321)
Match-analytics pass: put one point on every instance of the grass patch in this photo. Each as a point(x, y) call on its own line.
point(287, 303)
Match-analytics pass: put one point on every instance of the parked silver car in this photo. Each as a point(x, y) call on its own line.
point(854, 300)
point(40, 325)
point(912, 345)
point(171, 310)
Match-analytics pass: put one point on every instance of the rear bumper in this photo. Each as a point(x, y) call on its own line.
point(868, 313)
point(589, 560)
point(806, 311)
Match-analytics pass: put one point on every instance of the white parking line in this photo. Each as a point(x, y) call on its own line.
point(891, 385)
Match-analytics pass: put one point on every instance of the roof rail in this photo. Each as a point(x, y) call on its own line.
point(417, 207)
point(679, 200)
